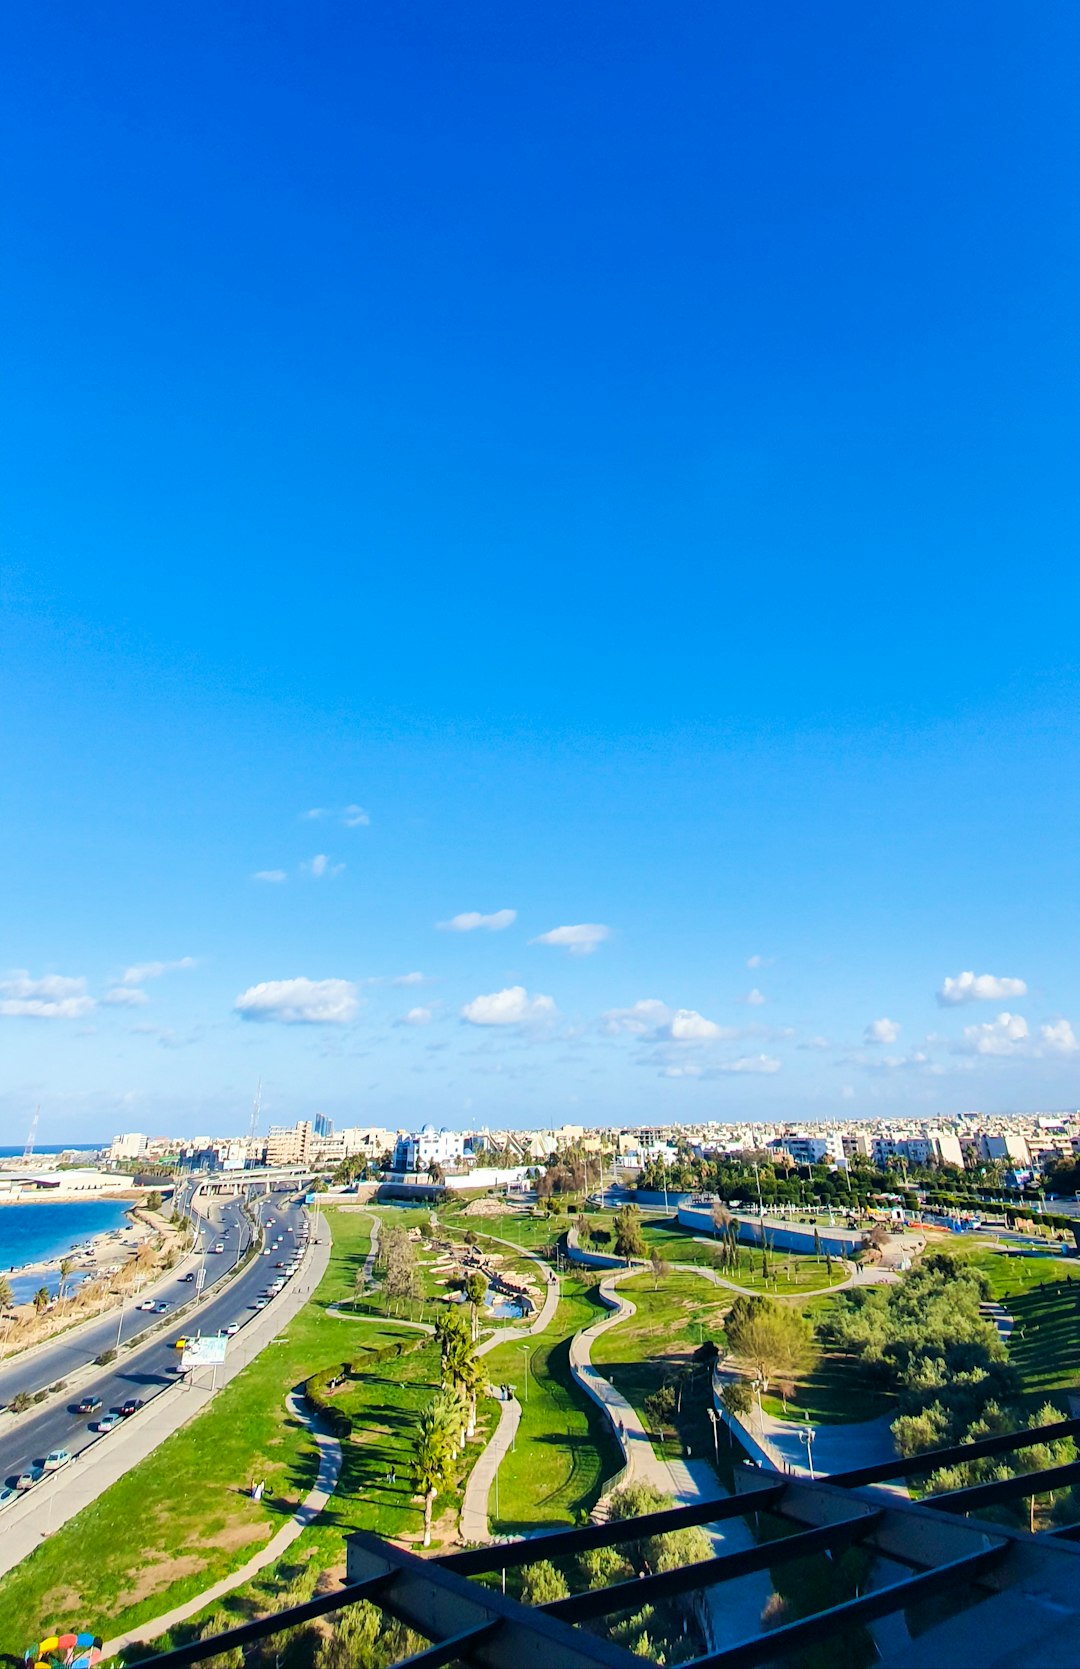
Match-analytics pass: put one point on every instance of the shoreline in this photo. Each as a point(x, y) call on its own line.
point(93, 1255)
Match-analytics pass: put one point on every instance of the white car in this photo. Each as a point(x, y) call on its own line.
point(56, 1458)
point(232, 1329)
point(148, 1304)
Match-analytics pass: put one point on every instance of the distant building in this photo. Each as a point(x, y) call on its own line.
point(429, 1147)
point(290, 1144)
point(322, 1126)
point(132, 1146)
point(804, 1149)
point(1013, 1150)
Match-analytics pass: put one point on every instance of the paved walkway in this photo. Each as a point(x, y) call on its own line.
point(367, 1272)
point(732, 1609)
point(474, 1505)
point(309, 1510)
point(55, 1500)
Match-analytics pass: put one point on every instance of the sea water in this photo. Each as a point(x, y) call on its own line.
point(43, 1229)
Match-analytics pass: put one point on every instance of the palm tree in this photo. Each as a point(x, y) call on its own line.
point(434, 1455)
point(465, 1372)
point(7, 1297)
point(41, 1299)
point(67, 1265)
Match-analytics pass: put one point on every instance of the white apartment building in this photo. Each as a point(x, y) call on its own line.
point(290, 1144)
point(132, 1146)
point(428, 1147)
point(824, 1149)
point(1011, 1150)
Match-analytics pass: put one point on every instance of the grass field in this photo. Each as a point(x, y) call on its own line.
point(564, 1445)
point(181, 1519)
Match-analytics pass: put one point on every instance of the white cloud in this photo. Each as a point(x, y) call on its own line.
point(882, 1031)
point(353, 817)
point(814, 1043)
point(979, 988)
point(643, 1019)
point(409, 979)
point(754, 998)
point(1059, 1038)
point(688, 1026)
point(416, 1017)
point(512, 1007)
point(751, 1063)
point(760, 961)
point(1007, 1035)
point(581, 940)
point(125, 996)
point(142, 971)
point(53, 997)
point(690, 1070)
point(471, 920)
point(300, 1001)
point(320, 865)
point(275, 876)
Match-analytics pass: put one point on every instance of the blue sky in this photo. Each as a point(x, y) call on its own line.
point(630, 459)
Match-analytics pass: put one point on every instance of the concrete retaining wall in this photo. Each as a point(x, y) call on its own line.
point(783, 1237)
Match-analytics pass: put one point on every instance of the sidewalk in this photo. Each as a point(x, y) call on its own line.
point(732, 1610)
point(55, 1500)
point(305, 1514)
point(544, 1317)
point(474, 1505)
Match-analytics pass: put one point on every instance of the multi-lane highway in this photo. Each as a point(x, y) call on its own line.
point(143, 1370)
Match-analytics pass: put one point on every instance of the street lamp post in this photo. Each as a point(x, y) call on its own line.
point(525, 1348)
point(806, 1438)
point(713, 1421)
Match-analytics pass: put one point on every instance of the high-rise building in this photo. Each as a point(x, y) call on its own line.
point(289, 1144)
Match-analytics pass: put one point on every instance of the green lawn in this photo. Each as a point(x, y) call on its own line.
point(180, 1520)
point(565, 1449)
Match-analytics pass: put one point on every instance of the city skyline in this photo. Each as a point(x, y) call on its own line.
point(536, 582)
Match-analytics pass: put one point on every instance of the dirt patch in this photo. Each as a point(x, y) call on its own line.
point(488, 1207)
point(61, 1602)
point(156, 1576)
point(239, 1535)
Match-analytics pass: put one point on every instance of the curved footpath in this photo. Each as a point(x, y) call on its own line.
point(57, 1499)
point(732, 1610)
point(308, 1510)
point(474, 1505)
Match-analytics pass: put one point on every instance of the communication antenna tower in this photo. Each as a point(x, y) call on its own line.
point(28, 1151)
point(255, 1110)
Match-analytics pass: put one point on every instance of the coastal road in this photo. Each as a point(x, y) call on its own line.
point(73, 1350)
point(144, 1371)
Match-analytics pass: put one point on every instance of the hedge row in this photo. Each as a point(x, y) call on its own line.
point(317, 1388)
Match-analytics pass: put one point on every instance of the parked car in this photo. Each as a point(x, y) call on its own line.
point(232, 1329)
point(26, 1480)
point(56, 1458)
point(7, 1495)
point(88, 1405)
point(261, 1303)
point(132, 1406)
point(108, 1422)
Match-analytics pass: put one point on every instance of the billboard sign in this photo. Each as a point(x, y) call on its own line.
point(208, 1352)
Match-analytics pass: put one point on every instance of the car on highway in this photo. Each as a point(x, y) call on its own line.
point(180, 1343)
point(260, 1303)
point(190, 1276)
point(218, 1246)
point(232, 1329)
point(132, 1406)
point(88, 1405)
point(108, 1422)
point(26, 1480)
point(161, 1307)
point(7, 1495)
point(267, 1253)
point(148, 1304)
point(57, 1458)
